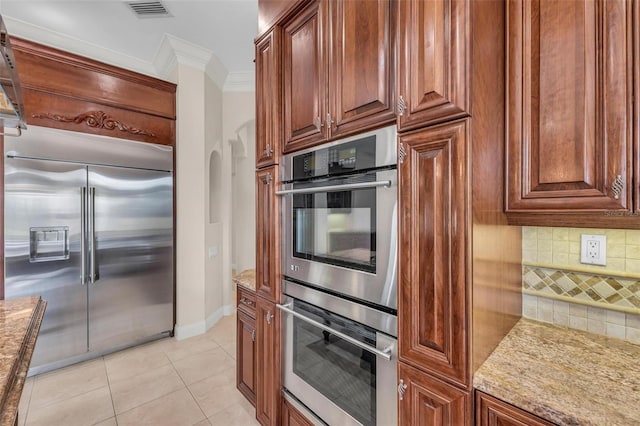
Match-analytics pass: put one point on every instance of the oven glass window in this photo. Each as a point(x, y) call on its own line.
point(337, 228)
point(341, 371)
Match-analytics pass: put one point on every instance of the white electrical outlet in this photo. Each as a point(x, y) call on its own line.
point(593, 250)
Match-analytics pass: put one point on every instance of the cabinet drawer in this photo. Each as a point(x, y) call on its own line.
point(491, 411)
point(246, 301)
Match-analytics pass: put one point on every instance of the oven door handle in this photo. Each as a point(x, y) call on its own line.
point(385, 353)
point(328, 188)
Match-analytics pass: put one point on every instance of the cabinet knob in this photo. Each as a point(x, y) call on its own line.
point(402, 153)
point(617, 187)
point(253, 335)
point(402, 106)
point(402, 388)
point(268, 178)
point(319, 123)
point(268, 316)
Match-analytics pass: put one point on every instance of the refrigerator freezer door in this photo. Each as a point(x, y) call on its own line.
point(42, 251)
point(131, 296)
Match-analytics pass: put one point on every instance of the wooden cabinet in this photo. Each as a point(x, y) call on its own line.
point(432, 61)
point(245, 343)
point(338, 68)
point(292, 417)
point(432, 304)
point(267, 234)
point(427, 401)
point(570, 108)
point(268, 99)
point(491, 411)
point(268, 367)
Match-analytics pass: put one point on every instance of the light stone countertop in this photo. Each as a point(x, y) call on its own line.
point(246, 278)
point(20, 321)
point(566, 376)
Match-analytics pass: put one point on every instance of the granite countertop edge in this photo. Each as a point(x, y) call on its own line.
point(15, 374)
point(246, 279)
point(565, 376)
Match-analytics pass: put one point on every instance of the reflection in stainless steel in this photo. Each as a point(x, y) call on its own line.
point(127, 229)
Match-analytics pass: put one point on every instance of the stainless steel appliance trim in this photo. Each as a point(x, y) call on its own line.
point(386, 153)
point(310, 415)
point(83, 235)
point(314, 400)
point(329, 188)
point(374, 318)
point(385, 353)
point(43, 143)
point(92, 237)
point(379, 287)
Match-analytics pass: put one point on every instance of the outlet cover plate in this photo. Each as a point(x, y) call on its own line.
point(593, 249)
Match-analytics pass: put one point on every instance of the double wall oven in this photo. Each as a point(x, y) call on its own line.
point(340, 279)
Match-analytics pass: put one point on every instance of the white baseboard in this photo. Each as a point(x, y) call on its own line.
point(185, 331)
point(229, 310)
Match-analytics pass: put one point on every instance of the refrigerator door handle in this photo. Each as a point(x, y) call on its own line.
point(92, 238)
point(83, 235)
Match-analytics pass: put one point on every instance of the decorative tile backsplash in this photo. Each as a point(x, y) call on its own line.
point(558, 289)
point(611, 292)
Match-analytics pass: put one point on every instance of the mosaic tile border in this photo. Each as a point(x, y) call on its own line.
point(601, 290)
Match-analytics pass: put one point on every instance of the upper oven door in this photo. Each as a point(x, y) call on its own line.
point(341, 234)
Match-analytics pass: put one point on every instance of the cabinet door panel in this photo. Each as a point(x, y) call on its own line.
point(245, 356)
point(432, 316)
point(305, 74)
point(267, 234)
point(267, 363)
point(433, 61)
point(268, 100)
point(493, 412)
point(428, 401)
point(569, 100)
point(361, 79)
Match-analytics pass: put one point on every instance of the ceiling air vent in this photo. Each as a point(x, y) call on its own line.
point(148, 9)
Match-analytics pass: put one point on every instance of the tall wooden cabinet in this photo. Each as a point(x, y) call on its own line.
point(268, 98)
point(459, 263)
point(570, 94)
point(338, 69)
point(433, 83)
point(267, 234)
point(268, 360)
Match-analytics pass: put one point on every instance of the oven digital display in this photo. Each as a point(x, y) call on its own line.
point(348, 157)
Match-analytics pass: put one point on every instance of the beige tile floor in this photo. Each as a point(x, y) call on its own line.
point(163, 383)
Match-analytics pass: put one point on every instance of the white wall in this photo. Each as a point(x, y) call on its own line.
point(191, 178)
point(239, 128)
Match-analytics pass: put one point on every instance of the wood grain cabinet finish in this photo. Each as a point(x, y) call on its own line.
point(268, 99)
point(292, 417)
point(569, 106)
point(432, 305)
point(66, 91)
point(432, 62)
point(267, 234)
point(246, 356)
point(491, 411)
point(268, 370)
point(338, 67)
point(305, 74)
point(246, 343)
point(428, 401)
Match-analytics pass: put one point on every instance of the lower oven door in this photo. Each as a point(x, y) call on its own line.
point(343, 371)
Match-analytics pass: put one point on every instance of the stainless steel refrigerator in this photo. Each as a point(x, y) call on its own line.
point(89, 227)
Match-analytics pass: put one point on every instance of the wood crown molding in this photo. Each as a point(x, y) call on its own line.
point(96, 119)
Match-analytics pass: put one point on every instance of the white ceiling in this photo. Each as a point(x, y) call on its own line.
point(108, 30)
